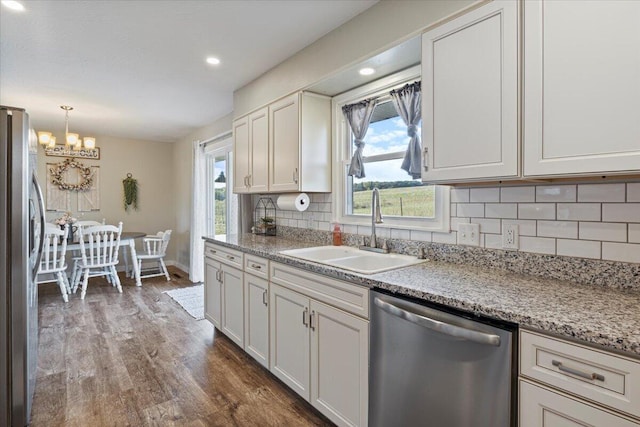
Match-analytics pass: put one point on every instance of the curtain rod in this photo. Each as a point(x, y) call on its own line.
point(217, 138)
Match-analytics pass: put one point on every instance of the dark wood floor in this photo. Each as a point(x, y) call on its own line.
point(137, 359)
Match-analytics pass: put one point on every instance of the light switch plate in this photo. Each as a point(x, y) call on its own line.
point(469, 234)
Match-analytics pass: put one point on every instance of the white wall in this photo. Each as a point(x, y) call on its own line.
point(182, 173)
point(376, 29)
point(148, 162)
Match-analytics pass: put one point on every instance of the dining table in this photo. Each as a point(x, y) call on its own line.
point(127, 240)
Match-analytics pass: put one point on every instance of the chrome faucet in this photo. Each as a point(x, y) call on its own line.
point(376, 218)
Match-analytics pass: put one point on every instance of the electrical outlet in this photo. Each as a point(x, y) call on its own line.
point(469, 234)
point(510, 236)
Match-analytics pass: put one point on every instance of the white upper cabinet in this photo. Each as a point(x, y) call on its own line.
point(470, 96)
point(581, 87)
point(250, 147)
point(241, 155)
point(300, 143)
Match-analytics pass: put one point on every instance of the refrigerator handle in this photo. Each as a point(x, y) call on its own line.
point(41, 242)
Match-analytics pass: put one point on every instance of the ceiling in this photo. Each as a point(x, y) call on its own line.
point(136, 69)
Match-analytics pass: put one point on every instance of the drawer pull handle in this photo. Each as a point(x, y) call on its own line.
point(264, 297)
point(581, 374)
point(231, 257)
point(256, 266)
point(305, 315)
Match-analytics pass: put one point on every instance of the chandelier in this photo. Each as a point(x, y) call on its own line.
point(71, 139)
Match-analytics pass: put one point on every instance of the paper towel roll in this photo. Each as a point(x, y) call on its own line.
point(293, 202)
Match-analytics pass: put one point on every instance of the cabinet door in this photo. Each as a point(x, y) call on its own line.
point(284, 153)
point(470, 96)
point(289, 342)
point(259, 155)
point(581, 87)
point(256, 318)
point(233, 304)
point(212, 293)
point(339, 365)
point(541, 407)
point(241, 155)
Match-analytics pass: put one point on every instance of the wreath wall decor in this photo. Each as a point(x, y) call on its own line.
point(57, 176)
point(130, 185)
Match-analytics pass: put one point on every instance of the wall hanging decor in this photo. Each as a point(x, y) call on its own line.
point(57, 199)
point(130, 185)
point(59, 175)
point(89, 200)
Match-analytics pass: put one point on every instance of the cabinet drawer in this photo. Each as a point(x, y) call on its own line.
point(602, 377)
point(224, 255)
point(256, 266)
point(351, 298)
point(540, 406)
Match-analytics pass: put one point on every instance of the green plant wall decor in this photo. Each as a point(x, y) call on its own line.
point(130, 185)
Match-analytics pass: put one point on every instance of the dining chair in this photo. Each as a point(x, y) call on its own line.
point(154, 249)
point(99, 249)
point(53, 259)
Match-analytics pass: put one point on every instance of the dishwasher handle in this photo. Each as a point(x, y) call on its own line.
point(438, 326)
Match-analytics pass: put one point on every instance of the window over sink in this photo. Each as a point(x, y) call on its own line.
point(406, 202)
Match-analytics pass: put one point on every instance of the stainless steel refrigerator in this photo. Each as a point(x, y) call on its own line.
point(21, 228)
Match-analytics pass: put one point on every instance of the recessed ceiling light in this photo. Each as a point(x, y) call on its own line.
point(367, 71)
point(13, 5)
point(213, 60)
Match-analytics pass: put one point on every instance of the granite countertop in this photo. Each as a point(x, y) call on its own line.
point(598, 315)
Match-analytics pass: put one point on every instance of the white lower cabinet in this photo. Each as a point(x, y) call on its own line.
point(233, 304)
point(256, 318)
point(339, 365)
point(322, 353)
point(540, 406)
point(212, 292)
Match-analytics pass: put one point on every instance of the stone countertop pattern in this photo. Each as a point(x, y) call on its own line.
point(598, 315)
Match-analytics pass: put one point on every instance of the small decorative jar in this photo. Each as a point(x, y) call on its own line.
point(264, 217)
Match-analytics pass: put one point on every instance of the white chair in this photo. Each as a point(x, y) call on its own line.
point(53, 257)
point(99, 248)
point(155, 248)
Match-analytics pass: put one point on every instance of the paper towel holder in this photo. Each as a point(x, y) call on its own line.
point(264, 217)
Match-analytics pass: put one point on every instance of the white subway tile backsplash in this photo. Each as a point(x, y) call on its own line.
point(421, 236)
point(621, 212)
point(470, 209)
point(485, 195)
point(459, 195)
point(603, 231)
point(501, 210)
point(601, 193)
point(517, 194)
point(579, 248)
point(493, 241)
point(526, 227)
point(625, 252)
point(556, 193)
point(488, 225)
point(536, 211)
point(400, 234)
point(563, 229)
point(633, 192)
point(579, 211)
point(634, 233)
point(449, 238)
point(540, 245)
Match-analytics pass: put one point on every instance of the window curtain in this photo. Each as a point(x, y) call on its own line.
point(198, 214)
point(407, 101)
point(358, 116)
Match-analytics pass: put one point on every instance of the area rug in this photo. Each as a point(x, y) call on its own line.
point(191, 299)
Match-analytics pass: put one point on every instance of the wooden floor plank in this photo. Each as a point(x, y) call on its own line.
point(139, 359)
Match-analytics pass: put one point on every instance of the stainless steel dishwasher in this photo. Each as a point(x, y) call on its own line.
point(430, 367)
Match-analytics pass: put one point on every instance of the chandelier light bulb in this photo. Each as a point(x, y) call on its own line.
point(52, 142)
point(89, 142)
point(73, 139)
point(44, 137)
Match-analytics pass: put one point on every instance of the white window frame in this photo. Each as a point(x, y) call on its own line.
point(342, 140)
point(224, 149)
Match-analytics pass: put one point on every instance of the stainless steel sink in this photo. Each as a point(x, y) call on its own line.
point(353, 259)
